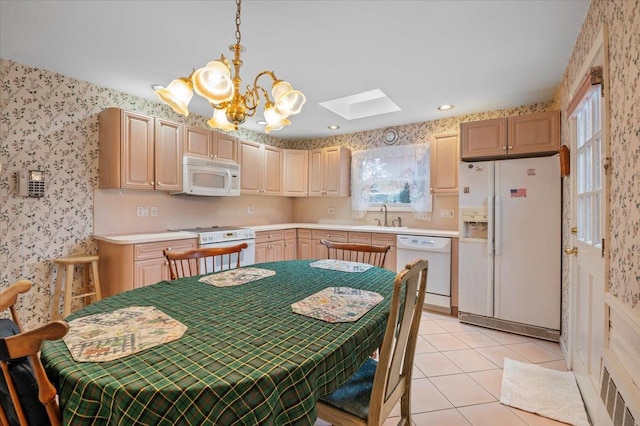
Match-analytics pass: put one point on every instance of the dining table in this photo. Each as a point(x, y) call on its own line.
point(246, 357)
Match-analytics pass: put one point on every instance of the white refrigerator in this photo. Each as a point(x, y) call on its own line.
point(510, 245)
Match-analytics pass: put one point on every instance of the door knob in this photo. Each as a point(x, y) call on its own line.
point(570, 251)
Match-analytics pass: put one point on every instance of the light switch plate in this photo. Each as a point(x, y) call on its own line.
point(446, 213)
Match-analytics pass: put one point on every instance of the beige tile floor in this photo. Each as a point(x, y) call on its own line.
point(458, 374)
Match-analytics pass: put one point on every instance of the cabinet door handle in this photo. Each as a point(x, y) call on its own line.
point(504, 148)
point(510, 147)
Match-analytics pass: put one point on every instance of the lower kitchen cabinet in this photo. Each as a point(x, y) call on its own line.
point(319, 250)
point(274, 246)
point(127, 266)
point(386, 240)
point(305, 251)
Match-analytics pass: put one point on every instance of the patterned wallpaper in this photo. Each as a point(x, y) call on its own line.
point(49, 121)
point(623, 21)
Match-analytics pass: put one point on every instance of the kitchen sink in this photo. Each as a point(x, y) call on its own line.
point(378, 228)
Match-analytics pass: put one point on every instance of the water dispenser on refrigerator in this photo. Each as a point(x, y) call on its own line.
point(474, 224)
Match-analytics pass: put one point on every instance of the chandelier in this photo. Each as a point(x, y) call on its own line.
point(230, 107)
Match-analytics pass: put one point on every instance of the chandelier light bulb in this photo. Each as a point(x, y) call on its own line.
point(219, 120)
point(213, 82)
point(177, 95)
point(275, 121)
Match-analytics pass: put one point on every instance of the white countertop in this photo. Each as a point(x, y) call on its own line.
point(180, 235)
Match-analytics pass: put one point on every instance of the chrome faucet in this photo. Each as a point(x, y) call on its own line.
point(384, 208)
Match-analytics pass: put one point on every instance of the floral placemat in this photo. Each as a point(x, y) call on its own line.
point(116, 334)
point(341, 265)
point(235, 277)
point(337, 304)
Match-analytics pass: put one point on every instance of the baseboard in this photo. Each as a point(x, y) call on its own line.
point(509, 326)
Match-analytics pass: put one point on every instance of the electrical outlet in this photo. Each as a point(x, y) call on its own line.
point(154, 211)
point(446, 213)
point(331, 211)
point(250, 209)
point(140, 211)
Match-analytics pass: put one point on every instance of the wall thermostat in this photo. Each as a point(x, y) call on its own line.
point(30, 183)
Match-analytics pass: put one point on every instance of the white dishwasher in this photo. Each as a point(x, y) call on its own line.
point(437, 251)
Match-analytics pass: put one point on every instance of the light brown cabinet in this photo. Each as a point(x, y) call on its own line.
point(386, 240)
point(206, 143)
point(295, 172)
point(319, 250)
point(329, 171)
point(305, 250)
point(273, 246)
point(290, 244)
point(445, 158)
point(127, 266)
point(261, 168)
point(138, 151)
point(506, 137)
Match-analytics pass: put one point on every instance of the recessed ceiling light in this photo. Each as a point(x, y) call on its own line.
point(333, 127)
point(445, 107)
point(261, 122)
point(157, 86)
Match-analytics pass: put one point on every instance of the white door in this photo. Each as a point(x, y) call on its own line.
point(527, 241)
point(588, 251)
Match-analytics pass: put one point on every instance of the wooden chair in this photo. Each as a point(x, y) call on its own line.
point(32, 396)
point(9, 298)
point(363, 253)
point(372, 392)
point(203, 260)
point(28, 344)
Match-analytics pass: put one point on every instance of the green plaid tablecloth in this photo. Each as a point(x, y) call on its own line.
point(245, 359)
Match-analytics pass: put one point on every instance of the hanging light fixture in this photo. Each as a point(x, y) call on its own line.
point(215, 83)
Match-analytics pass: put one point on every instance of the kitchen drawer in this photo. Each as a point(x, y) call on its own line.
point(338, 236)
point(154, 250)
point(383, 239)
point(289, 234)
point(304, 233)
point(266, 236)
point(360, 237)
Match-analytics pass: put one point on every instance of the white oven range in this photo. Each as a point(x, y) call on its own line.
point(225, 236)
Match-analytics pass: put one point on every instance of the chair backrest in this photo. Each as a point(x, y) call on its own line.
point(203, 260)
point(15, 353)
point(363, 253)
point(31, 395)
point(392, 379)
point(9, 298)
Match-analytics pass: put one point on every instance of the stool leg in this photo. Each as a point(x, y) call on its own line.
point(68, 291)
point(87, 284)
point(96, 280)
point(55, 304)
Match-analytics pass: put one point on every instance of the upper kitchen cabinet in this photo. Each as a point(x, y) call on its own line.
point(295, 172)
point(206, 143)
point(329, 171)
point(138, 151)
point(517, 136)
point(445, 156)
point(260, 168)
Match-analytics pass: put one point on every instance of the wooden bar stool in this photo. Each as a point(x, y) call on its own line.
point(66, 267)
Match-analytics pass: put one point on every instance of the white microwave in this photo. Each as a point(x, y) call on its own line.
point(201, 176)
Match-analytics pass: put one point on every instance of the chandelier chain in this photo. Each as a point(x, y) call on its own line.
point(238, 22)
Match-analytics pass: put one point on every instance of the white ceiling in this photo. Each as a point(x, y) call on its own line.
point(479, 55)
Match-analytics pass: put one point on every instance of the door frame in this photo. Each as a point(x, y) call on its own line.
point(598, 55)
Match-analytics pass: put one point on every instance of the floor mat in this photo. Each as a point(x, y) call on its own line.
point(549, 393)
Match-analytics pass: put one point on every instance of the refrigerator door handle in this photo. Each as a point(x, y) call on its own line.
point(498, 225)
point(490, 225)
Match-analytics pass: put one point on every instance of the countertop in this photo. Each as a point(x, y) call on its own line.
point(179, 235)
